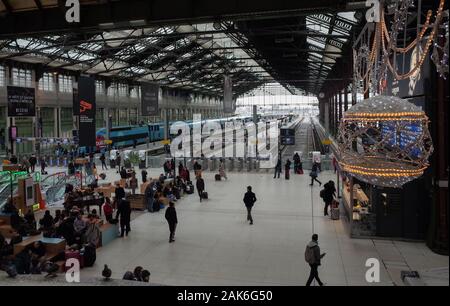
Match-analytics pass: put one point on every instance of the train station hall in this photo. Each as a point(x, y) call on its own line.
point(198, 146)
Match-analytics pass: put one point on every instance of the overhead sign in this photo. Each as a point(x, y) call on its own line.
point(21, 102)
point(287, 137)
point(86, 98)
point(149, 99)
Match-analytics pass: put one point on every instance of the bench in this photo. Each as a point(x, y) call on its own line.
point(109, 232)
point(53, 246)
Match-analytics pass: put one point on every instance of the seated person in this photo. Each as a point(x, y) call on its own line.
point(29, 219)
point(46, 222)
point(79, 226)
point(108, 210)
point(162, 178)
point(9, 207)
point(168, 193)
point(58, 216)
point(38, 251)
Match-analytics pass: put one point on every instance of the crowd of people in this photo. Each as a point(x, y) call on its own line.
point(81, 233)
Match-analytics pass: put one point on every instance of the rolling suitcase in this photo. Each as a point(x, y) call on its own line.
point(218, 177)
point(205, 195)
point(335, 213)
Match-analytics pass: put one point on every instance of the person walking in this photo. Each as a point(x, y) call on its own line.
point(313, 258)
point(144, 176)
point(149, 196)
point(33, 162)
point(120, 192)
point(222, 170)
point(91, 158)
point(297, 162)
point(287, 169)
point(43, 165)
point(124, 213)
point(277, 169)
point(327, 194)
point(200, 184)
point(335, 164)
point(103, 160)
point(171, 217)
point(313, 174)
point(133, 183)
point(118, 160)
point(249, 201)
point(197, 169)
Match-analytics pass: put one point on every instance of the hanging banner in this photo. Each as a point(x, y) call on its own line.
point(228, 94)
point(87, 110)
point(21, 102)
point(149, 99)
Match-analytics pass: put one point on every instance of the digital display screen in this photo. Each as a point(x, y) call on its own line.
point(287, 141)
point(389, 133)
point(410, 132)
point(409, 136)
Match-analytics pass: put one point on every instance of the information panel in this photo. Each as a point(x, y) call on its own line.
point(21, 102)
point(86, 98)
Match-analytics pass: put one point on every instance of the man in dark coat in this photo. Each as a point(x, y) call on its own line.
point(328, 193)
point(124, 212)
point(277, 169)
point(200, 184)
point(171, 217)
point(120, 192)
point(249, 201)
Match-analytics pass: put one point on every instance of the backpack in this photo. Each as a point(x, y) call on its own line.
point(322, 193)
point(309, 255)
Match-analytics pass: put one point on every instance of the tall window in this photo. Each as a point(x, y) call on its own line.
point(46, 82)
point(21, 77)
point(2, 76)
point(65, 83)
point(122, 90)
point(135, 92)
point(100, 87)
point(112, 90)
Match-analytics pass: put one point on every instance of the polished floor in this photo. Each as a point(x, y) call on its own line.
point(216, 246)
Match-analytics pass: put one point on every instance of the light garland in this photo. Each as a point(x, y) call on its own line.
point(384, 141)
point(386, 42)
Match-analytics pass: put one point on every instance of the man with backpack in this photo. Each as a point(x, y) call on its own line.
point(313, 257)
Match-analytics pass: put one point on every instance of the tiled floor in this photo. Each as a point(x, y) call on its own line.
point(216, 246)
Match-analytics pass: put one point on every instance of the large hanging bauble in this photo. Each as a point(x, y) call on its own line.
point(384, 141)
